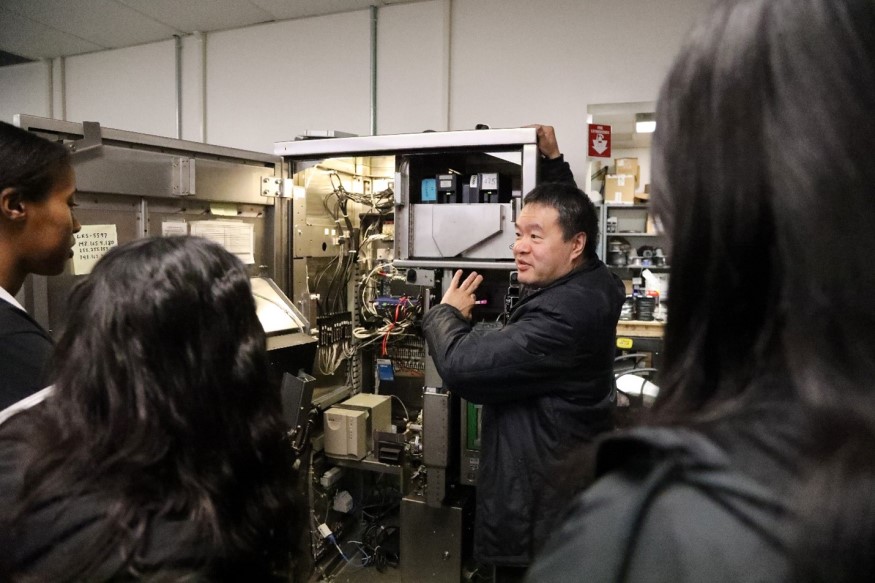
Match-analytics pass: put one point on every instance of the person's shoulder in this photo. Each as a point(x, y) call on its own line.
point(17, 322)
point(11, 314)
point(667, 507)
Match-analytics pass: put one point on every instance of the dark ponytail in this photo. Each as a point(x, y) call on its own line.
point(764, 178)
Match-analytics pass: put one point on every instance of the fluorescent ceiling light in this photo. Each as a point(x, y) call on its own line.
point(645, 123)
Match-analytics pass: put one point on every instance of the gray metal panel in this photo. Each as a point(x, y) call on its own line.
point(126, 213)
point(141, 164)
point(130, 183)
point(474, 231)
point(309, 236)
point(403, 228)
point(119, 170)
point(191, 210)
point(124, 171)
point(45, 125)
point(94, 209)
point(278, 243)
point(454, 264)
point(300, 293)
point(432, 541)
point(435, 429)
point(530, 167)
point(231, 182)
point(512, 137)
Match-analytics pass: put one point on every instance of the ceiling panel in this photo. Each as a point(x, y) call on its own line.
point(22, 36)
point(102, 22)
point(284, 9)
point(201, 15)
point(59, 28)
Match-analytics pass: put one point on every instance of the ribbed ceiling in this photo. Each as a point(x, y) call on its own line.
point(38, 29)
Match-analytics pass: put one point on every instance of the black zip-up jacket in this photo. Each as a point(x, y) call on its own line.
point(555, 170)
point(25, 352)
point(546, 382)
point(52, 537)
point(675, 505)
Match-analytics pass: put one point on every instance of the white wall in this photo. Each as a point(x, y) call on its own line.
point(25, 89)
point(413, 52)
point(441, 64)
point(269, 83)
point(193, 88)
point(132, 88)
point(546, 65)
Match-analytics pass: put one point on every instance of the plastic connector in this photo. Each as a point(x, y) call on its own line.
point(330, 477)
point(325, 532)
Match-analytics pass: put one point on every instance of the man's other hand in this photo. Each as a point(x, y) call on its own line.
point(461, 295)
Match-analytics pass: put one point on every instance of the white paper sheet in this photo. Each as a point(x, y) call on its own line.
point(92, 243)
point(235, 236)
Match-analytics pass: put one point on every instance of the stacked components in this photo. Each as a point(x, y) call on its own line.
point(350, 425)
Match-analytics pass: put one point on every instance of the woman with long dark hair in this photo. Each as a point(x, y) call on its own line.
point(158, 452)
point(37, 188)
point(759, 462)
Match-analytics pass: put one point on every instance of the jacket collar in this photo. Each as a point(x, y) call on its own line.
point(590, 265)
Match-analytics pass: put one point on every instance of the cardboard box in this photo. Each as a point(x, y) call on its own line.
point(620, 189)
point(628, 166)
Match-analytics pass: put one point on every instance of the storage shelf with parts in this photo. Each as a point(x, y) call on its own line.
point(622, 268)
point(612, 205)
point(631, 240)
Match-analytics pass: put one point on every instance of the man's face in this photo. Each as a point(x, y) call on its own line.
point(48, 239)
point(541, 253)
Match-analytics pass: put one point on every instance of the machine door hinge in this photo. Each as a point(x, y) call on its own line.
point(91, 138)
point(183, 177)
point(276, 187)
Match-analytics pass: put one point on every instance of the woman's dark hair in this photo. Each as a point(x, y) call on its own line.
point(29, 163)
point(163, 404)
point(764, 179)
point(577, 213)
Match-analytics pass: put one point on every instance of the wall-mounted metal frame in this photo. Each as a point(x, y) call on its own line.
point(135, 181)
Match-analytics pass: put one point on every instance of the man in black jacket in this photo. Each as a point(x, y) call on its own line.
point(545, 379)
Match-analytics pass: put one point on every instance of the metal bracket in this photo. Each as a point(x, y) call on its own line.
point(276, 187)
point(423, 277)
point(90, 138)
point(183, 176)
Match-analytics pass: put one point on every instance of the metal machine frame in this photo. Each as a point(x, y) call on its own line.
point(430, 241)
point(135, 180)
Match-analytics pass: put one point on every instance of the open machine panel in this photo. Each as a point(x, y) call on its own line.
point(380, 224)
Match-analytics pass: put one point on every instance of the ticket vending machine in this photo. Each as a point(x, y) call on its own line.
point(431, 203)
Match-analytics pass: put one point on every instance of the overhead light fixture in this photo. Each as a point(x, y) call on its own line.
point(645, 123)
